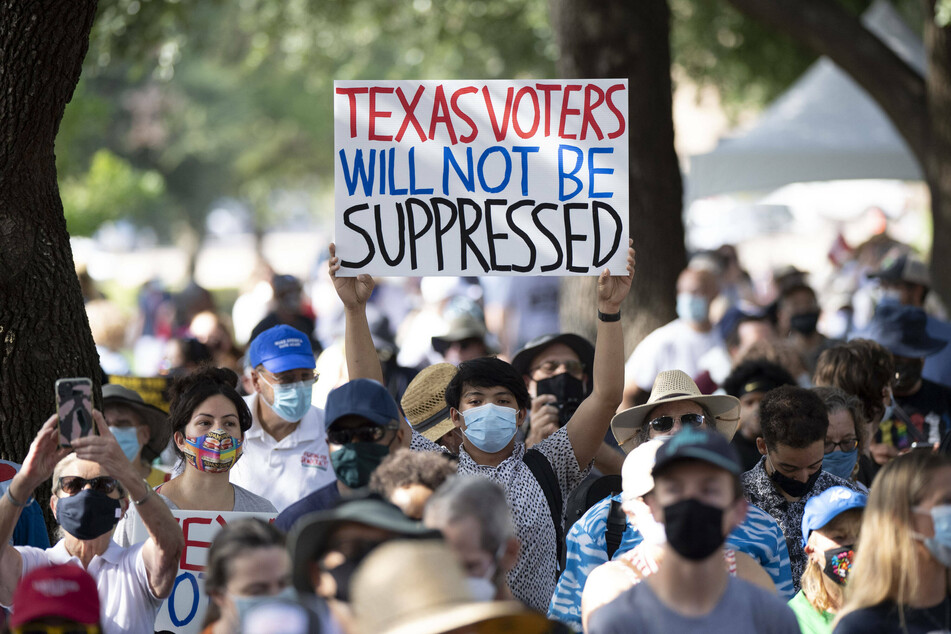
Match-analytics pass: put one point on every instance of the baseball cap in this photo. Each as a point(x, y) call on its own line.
point(66, 592)
point(361, 397)
point(697, 444)
point(903, 268)
point(281, 348)
point(823, 508)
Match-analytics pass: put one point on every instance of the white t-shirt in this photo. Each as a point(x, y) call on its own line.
point(127, 603)
point(284, 472)
point(674, 346)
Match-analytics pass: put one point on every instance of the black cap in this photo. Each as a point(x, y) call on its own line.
point(581, 346)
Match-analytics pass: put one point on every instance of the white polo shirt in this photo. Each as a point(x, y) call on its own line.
point(127, 603)
point(284, 472)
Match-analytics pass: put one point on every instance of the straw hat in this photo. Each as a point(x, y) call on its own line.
point(671, 386)
point(418, 588)
point(424, 401)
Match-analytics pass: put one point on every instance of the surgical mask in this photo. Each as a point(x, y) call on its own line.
point(692, 308)
point(650, 529)
point(889, 296)
point(805, 323)
point(243, 605)
point(694, 529)
point(355, 462)
point(490, 427)
point(567, 389)
point(938, 545)
point(291, 400)
point(128, 439)
point(214, 452)
point(840, 463)
point(88, 514)
point(838, 563)
point(791, 486)
point(481, 589)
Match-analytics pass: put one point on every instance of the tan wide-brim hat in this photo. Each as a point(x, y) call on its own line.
point(671, 386)
point(424, 401)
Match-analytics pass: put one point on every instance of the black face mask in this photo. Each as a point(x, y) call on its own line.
point(694, 529)
point(907, 374)
point(567, 389)
point(794, 487)
point(838, 563)
point(805, 323)
point(88, 514)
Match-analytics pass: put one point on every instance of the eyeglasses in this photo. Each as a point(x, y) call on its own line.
point(292, 376)
point(845, 445)
point(666, 423)
point(71, 485)
point(367, 433)
point(551, 367)
point(43, 628)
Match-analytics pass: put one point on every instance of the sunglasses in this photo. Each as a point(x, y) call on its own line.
point(368, 433)
point(666, 423)
point(71, 485)
point(42, 628)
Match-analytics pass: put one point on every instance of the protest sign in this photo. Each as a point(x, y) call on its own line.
point(184, 610)
point(496, 177)
point(152, 389)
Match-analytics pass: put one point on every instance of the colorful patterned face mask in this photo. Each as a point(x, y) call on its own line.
point(838, 563)
point(215, 452)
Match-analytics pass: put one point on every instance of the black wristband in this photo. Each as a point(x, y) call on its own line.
point(609, 316)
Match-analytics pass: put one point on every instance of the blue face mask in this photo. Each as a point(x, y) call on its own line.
point(840, 463)
point(692, 308)
point(490, 427)
point(292, 400)
point(245, 604)
point(128, 439)
point(940, 544)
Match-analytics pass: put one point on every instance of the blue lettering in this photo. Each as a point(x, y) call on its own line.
point(592, 170)
point(171, 598)
point(505, 177)
point(412, 176)
point(359, 171)
point(394, 191)
point(524, 152)
point(562, 175)
point(467, 178)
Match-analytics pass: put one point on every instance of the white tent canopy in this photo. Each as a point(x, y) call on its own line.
point(824, 127)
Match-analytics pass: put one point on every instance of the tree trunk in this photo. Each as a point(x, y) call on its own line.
point(631, 39)
point(44, 333)
point(938, 164)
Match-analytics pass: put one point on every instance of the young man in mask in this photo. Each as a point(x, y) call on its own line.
point(488, 401)
point(698, 498)
point(285, 450)
point(794, 421)
point(557, 372)
point(797, 315)
point(90, 484)
point(363, 426)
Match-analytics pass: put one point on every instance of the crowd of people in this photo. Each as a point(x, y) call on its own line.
point(747, 468)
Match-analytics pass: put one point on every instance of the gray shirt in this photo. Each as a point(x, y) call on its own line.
point(743, 609)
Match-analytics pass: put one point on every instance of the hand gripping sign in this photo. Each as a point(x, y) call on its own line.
point(496, 177)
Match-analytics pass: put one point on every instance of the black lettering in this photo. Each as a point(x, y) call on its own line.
point(524, 236)
point(441, 229)
point(548, 234)
point(596, 207)
point(413, 234)
point(493, 236)
point(465, 233)
point(572, 237)
point(371, 250)
point(401, 224)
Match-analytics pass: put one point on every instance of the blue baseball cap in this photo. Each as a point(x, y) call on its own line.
point(280, 349)
point(361, 397)
point(823, 508)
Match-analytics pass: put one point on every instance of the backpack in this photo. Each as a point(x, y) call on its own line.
point(548, 481)
point(592, 490)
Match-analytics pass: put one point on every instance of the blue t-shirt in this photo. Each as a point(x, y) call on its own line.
point(322, 499)
point(759, 536)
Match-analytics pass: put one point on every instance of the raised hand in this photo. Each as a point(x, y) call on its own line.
point(612, 289)
point(352, 291)
point(105, 450)
point(44, 454)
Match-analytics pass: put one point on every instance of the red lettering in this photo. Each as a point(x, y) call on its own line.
point(515, 125)
point(351, 94)
point(409, 108)
point(589, 108)
point(192, 543)
point(468, 90)
point(374, 113)
point(566, 111)
point(441, 115)
point(548, 89)
point(617, 113)
point(499, 132)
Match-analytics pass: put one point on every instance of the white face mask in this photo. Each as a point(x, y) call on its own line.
point(481, 588)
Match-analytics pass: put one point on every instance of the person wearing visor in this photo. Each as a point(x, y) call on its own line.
point(140, 429)
point(830, 528)
point(91, 482)
point(208, 420)
point(286, 454)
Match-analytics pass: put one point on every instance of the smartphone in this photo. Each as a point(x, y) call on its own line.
point(922, 446)
point(74, 409)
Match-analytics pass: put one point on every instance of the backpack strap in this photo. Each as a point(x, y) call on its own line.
point(548, 481)
point(614, 531)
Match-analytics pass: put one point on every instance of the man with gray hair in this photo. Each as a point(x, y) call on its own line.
point(474, 518)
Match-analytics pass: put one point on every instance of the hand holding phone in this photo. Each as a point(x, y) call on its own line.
point(74, 409)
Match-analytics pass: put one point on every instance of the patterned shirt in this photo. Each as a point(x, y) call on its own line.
point(758, 536)
point(532, 580)
point(761, 492)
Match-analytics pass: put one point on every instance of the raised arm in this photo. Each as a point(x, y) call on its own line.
point(362, 359)
point(164, 546)
point(37, 467)
point(587, 427)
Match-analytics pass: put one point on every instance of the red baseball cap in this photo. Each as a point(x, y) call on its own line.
point(66, 592)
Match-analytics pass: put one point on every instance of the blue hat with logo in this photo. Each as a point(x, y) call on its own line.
point(361, 397)
point(823, 508)
point(281, 348)
point(698, 444)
